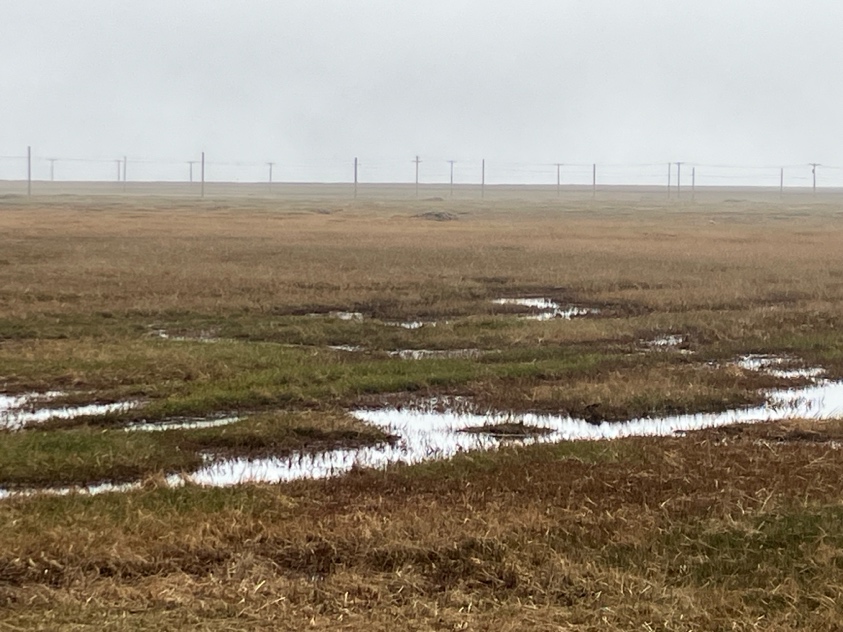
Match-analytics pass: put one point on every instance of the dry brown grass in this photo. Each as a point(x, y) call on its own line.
point(676, 534)
point(282, 256)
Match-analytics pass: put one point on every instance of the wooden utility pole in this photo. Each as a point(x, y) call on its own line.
point(594, 180)
point(29, 170)
point(203, 175)
point(125, 162)
point(814, 166)
point(52, 169)
point(452, 177)
point(271, 164)
point(558, 179)
point(417, 161)
point(669, 170)
point(678, 180)
point(190, 164)
point(781, 182)
point(483, 178)
point(693, 183)
point(355, 176)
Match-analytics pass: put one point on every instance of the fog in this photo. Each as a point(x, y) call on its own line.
point(309, 85)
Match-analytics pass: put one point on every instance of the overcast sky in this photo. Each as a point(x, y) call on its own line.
point(317, 82)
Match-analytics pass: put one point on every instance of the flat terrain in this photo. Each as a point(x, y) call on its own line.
point(289, 311)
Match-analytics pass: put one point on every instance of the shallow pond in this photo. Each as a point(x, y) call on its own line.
point(428, 434)
point(547, 309)
point(437, 435)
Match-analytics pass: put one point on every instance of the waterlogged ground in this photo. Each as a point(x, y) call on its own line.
point(19, 411)
point(588, 445)
point(434, 430)
point(441, 435)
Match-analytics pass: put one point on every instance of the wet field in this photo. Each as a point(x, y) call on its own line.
point(434, 430)
point(440, 410)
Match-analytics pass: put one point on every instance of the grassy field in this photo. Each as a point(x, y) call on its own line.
point(286, 312)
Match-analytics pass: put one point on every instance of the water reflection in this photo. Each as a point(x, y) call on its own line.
point(427, 435)
point(548, 309)
point(192, 423)
point(425, 354)
point(777, 366)
point(440, 434)
point(18, 411)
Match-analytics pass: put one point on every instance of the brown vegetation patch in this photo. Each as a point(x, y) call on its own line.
point(508, 429)
point(531, 538)
point(437, 216)
point(795, 431)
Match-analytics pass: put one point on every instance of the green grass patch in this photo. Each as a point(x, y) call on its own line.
point(86, 455)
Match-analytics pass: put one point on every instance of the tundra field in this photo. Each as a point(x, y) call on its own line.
point(257, 328)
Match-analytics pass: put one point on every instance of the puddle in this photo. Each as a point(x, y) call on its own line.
point(347, 348)
point(415, 354)
point(426, 435)
point(203, 336)
point(435, 433)
point(425, 354)
point(547, 309)
point(66, 491)
point(181, 424)
point(409, 324)
point(665, 342)
point(777, 367)
point(668, 343)
point(338, 315)
point(18, 411)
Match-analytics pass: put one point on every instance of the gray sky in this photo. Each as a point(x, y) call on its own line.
point(311, 84)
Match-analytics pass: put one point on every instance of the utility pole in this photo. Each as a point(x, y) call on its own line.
point(483, 179)
point(693, 183)
point(678, 180)
point(594, 180)
point(669, 170)
point(558, 179)
point(781, 182)
point(125, 162)
point(203, 174)
point(452, 177)
point(29, 170)
point(417, 161)
point(355, 176)
point(52, 169)
point(118, 161)
point(814, 166)
point(191, 163)
point(271, 164)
